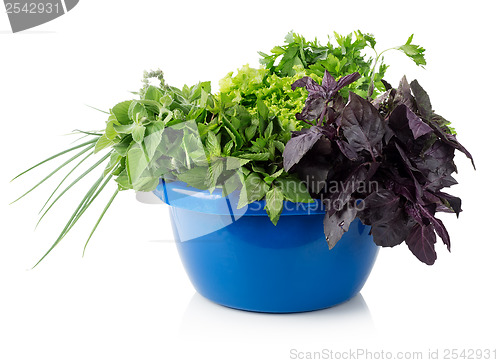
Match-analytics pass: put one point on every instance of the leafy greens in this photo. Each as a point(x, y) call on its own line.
point(235, 140)
point(384, 161)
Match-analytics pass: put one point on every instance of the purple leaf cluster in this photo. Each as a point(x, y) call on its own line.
point(384, 161)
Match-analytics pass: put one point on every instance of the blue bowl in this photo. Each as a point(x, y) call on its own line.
point(238, 258)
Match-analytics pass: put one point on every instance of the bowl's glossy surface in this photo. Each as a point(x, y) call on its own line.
point(238, 258)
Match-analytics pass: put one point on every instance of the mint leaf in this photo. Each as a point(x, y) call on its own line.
point(146, 183)
point(212, 144)
point(250, 132)
point(204, 97)
point(154, 106)
point(153, 93)
point(152, 137)
point(235, 136)
point(193, 149)
point(271, 178)
point(123, 146)
point(269, 131)
point(124, 129)
point(262, 109)
point(233, 132)
point(136, 112)
point(253, 189)
point(233, 163)
point(274, 204)
point(214, 172)
point(195, 177)
point(227, 148)
point(138, 133)
point(279, 145)
point(294, 190)
point(256, 157)
point(136, 164)
point(123, 181)
point(110, 130)
point(232, 183)
point(120, 111)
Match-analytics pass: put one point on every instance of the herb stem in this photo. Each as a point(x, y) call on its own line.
point(323, 113)
point(372, 78)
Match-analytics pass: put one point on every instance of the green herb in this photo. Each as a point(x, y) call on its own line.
point(340, 60)
point(231, 140)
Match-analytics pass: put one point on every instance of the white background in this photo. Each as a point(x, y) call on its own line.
point(129, 299)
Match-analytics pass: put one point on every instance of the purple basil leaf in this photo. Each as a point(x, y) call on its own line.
point(411, 171)
point(407, 125)
point(315, 89)
point(436, 165)
point(417, 126)
point(452, 140)
point(421, 241)
point(431, 198)
point(331, 87)
point(313, 173)
point(442, 232)
point(303, 82)
point(337, 106)
point(413, 210)
point(443, 208)
point(313, 108)
point(380, 206)
point(298, 146)
point(372, 170)
point(390, 234)
point(328, 83)
point(408, 164)
point(383, 212)
point(438, 156)
point(398, 122)
point(337, 224)
point(319, 96)
point(347, 80)
point(386, 84)
point(422, 99)
point(403, 95)
point(406, 190)
point(311, 86)
point(339, 198)
point(389, 133)
point(437, 182)
point(454, 202)
point(323, 146)
point(330, 116)
point(425, 109)
point(347, 150)
point(362, 125)
point(438, 226)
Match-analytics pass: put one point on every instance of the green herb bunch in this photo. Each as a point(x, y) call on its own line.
point(233, 139)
